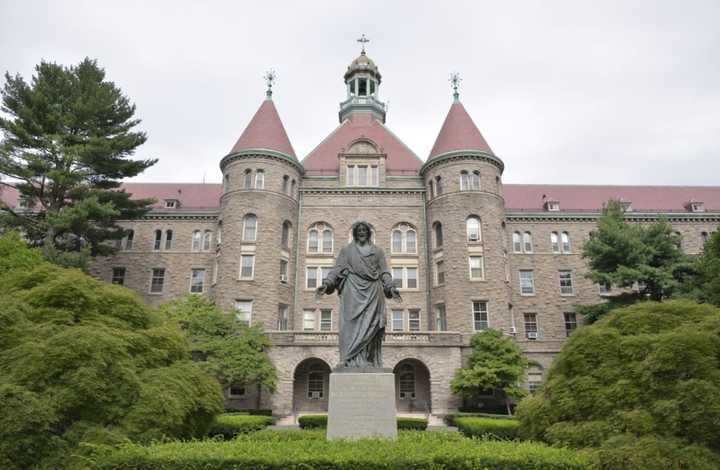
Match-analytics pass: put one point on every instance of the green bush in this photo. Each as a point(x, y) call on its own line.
point(450, 418)
point(627, 452)
point(258, 412)
point(416, 424)
point(312, 421)
point(230, 425)
point(416, 450)
point(488, 427)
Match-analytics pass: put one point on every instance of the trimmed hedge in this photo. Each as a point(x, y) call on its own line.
point(320, 421)
point(488, 427)
point(450, 418)
point(230, 425)
point(259, 412)
point(277, 451)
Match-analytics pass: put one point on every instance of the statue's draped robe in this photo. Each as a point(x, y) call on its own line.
point(361, 280)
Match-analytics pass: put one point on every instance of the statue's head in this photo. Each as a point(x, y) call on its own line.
point(361, 232)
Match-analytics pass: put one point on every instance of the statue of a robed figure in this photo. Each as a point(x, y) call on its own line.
point(363, 281)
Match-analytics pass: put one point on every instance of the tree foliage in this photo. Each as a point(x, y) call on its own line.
point(82, 360)
point(496, 363)
point(232, 352)
point(704, 283)
point(650, 369)
point(67, 142)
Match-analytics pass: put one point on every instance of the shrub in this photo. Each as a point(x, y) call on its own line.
point(488, 427)
point(230, 425)
point(451, 417)
point(628, 452)
point(417, 424)
point(312, 421)
point(416, 450)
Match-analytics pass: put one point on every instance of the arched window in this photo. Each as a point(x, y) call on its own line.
point(438, 234)
point(565, 238)
point(431, 188)
point(286, 184)
point(704, 237)
point(158, 240)
point(226, 182)
point(527, 242)
point(129, 239)
point(219, 233)
point(555, 242)
point(285, 238)
point(292, 188)
point(248, 179)
point(313, 244)
point(517, 242)
point(168, 239)
point(196, 240)
point(464, 181)
point(475, 180)
point(250, 228)
point(327, 241)
point(320, 238)
point(260, 179)
point(207, 240)
point(406, 381)
point(438, 185)
point(404, 239)
point(473, 229)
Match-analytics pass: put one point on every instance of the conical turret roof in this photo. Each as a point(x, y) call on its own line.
point(459, 132)
point(265, 131)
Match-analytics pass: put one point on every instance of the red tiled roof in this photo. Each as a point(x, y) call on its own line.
point(324, 158)
point(9, 195)
point(265, 131)
point(190, 195)
point(459, 132)
point(529, 197)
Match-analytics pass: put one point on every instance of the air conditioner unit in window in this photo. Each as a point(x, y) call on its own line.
point(315, 395)
point(532, 335)
point(513, 330)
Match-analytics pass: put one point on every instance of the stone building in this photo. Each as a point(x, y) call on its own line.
point(467, 252)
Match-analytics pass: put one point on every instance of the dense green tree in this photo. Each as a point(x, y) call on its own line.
point(704, 283)
point(86, 361)
point(230, 351)
point(496, 363)
point(647, 370)
point(67, 143)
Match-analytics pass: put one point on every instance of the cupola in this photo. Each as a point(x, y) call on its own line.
point(362, 80)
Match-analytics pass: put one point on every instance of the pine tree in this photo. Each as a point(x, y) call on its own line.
point(67, 143)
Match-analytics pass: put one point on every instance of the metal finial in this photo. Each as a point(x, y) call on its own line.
point(363, 40)
point(270, 77)
point(455, 81)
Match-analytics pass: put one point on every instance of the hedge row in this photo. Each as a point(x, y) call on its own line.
point(258, 412)
point(320, 421)
point(277, 451)
point(488, 427)
point(450, 418)
point(230, 425)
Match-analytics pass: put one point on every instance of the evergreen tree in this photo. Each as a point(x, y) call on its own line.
point(67, 143)
point(703, 284)
point(496, 363)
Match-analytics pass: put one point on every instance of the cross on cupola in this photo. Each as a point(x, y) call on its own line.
point(270, 77)
point(455, 83)
point(363, 40)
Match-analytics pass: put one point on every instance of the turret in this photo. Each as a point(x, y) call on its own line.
point(258, 222)
point(362, 80)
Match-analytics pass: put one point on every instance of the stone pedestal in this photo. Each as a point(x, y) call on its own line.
point(362, 404)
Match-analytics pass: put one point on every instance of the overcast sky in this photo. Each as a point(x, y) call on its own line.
point(577, 92)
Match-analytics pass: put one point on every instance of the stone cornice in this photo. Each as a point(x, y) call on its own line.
point(513, 216)
point(262, 153)
point(182, 215)
point(355, 191)
point(462, 155)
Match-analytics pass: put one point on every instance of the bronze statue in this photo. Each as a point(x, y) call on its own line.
point(362, 279)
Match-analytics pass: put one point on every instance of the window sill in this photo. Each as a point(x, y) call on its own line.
point(155, 293)
point(246, 279)
point(567, 295)
point(527, 295)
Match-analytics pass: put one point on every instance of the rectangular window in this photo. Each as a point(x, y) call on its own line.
point(283, 317)
point(412, 281)
point(531, 326)
point(440, 273)
point(197, 280)
point(168, 239)
point(216, 267)
point(414, 319)
point(243, 311)
point(480, 315)
point(604, 289)
point(566, 283)
point(158, 280)
point(311, 281)
point(324, 271)
point(362, 175)
point(325, 320)
point(527, 282)
point(440, 318)
point(476, 267)
point(309, 320)
point(398, 320)
point(283, 271)
point(236, 391)
point(118, 276)
point(397, 275)
point(362, 86)
point(247, 266)
point(350, 175)
point(375, 176)
point(158, 240)
point(570, 323)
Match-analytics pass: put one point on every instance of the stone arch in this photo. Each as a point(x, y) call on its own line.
point(412, 386)
point(311, 386)
point(362, 146)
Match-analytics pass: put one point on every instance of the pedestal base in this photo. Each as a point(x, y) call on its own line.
point(361, 405)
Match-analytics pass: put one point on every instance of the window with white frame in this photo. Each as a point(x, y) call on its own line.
point(405, 277)
point(247, 182)
point(196, 240)
point(283, 270)
point(168, 239)
point(398, 320)
point(259, 179)
point(247, 266)
point(439, 273)
point(414, 319)
point(320, 238)
point(555, 242)
point(158, 240)
point(527, 282)
point(477, 271)
point(243, 311)
point(236, 391)
point(464, 181)
point(517, 242)
point(309, 320)
point(531, 325)
point(316, 382)
point(565, 239)
point(404, 239)
point(440, 317)
point(197, 281)
point(469, 181)
point(570, 322)
point(472, 228)
point(250, 228)
point(216, 268)
point(406, 381)
point(363, 175)
point(207, 240)
point(527, 242)
point(315, 275)
point(283, 317)
point(118, 276)
point(475, 180)
point(437, 228)
point(157, 281)
point(171, 203)
point(566, 282)
point(480, 315)
point(325, 319)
